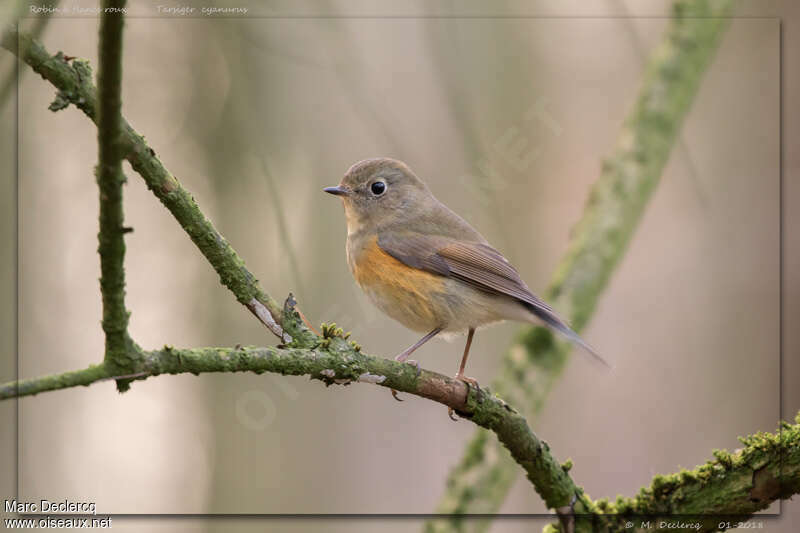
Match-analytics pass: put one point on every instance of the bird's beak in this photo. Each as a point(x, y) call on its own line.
point(337, 191)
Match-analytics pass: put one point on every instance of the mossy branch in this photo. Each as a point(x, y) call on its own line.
point(725, 490)
point(333, 359)
point(730, 486)
point(73, 79)
point(616, 203)
point(120, 352)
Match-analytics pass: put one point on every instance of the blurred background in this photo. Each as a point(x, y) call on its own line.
point(256, 114)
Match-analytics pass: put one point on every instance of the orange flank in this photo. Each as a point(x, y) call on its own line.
point(400, 291)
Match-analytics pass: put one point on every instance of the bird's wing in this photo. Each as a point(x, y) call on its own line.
point(476, 264)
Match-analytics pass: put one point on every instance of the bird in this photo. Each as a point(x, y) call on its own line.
point(428, 268)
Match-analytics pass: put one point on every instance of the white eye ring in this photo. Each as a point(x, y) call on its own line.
point(378, 187)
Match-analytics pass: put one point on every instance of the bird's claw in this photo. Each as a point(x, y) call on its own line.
point(470, 382)
point(413, 362)
point(395, 396)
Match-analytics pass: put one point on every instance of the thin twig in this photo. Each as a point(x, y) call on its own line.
point(119, 352)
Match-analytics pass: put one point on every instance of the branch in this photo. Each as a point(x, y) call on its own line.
point(729, 488)
point(74, 84)
point(65, 380)
point(334, 360)
point(767, 468)
point(616, 202)
point(120, 351)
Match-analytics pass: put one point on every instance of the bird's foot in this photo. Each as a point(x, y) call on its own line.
point(470, 382)
point(403, 358)
point(415, 364)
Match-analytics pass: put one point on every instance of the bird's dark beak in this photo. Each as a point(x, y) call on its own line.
point(337, 191)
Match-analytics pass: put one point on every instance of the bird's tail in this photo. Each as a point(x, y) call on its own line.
point(546, 315)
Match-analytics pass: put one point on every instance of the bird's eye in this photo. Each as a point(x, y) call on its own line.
point(378, 188)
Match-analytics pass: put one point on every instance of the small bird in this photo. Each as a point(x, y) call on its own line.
point(425, 266)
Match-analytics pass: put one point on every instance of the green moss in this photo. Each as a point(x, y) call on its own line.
point(723, 457)
point(724, 483)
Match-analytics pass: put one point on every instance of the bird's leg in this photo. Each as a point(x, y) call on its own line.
point(403, 356)
point(460, 375)
point(411, 349)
